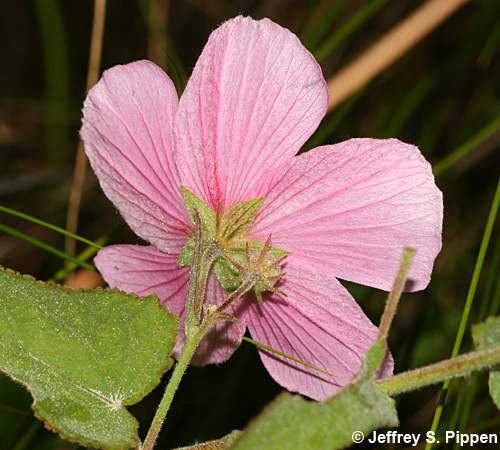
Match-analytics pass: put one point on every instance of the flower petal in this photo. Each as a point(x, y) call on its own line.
point(349, 209)
point(144, 270)
point(318, 323)
point(255, 96)
point(223, 339)
point(128, 137)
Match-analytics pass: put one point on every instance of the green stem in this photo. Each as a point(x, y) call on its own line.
point(195, 326)
point(245, 287)
point(202, 264)
point(200, 271)
point(218, 444)
point(395, 294)
point(182, 364)
point(444, 370)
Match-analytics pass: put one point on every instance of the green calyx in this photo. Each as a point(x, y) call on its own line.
point(241, 258)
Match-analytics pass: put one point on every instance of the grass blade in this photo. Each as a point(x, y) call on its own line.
point(322, 20)
point(467, 147)
point(355, 22)
point(54, 39)
point(43, 245)
point(468, 303)
point(85, 255)
point(280, 353)
point(50, 226)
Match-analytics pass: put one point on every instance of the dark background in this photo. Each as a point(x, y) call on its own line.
point(442, 95)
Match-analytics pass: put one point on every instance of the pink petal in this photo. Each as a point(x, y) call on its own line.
point(318, 323)
point(255, 96)
point(348, 210)
point(144, 270)
point(220, 342)
point(128, 137)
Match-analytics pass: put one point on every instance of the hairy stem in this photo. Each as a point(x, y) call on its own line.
point(200, 271)
point(395, 294)
point(444, 370)
point(180, 368)
point(203, 260)
point(245, 287)
point(195, 327)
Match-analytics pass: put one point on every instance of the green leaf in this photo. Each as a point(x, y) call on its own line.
point(290, 422)
point(195, 204)
point(84, 355)
point(487, 335)
point(238, 220)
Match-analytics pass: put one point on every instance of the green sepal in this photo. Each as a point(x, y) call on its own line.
point(487, 335)
point(230, 235)
point(237, 221)
point(228, 275)
point(195, 204)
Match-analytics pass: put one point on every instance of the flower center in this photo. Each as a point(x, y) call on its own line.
point(241, 259)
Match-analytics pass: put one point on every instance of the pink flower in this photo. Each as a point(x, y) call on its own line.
point(342, 211)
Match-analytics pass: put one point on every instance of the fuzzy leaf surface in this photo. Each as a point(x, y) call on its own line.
point(84, 355)
point(290, 422)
